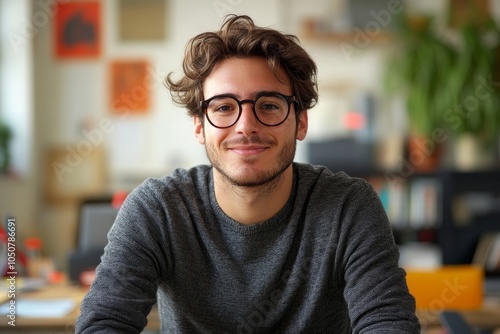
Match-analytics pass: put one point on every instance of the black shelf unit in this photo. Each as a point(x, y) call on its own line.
point(458, 243)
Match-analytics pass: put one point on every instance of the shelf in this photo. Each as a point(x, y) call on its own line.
point(457, 241)
point(406, 235)
point(488, 180)
point(311, 31)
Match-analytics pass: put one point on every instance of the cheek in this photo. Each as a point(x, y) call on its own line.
point(214, 137)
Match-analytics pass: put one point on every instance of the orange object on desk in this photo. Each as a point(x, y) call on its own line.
point(452, 287)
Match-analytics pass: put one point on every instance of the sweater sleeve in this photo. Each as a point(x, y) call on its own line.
point(126, 282)
point(375, 286)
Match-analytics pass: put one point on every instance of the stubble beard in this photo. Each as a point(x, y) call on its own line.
point(247, 177)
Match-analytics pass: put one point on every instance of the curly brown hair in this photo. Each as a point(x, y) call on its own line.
point(240, 37)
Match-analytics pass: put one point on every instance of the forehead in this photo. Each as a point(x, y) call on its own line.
point(245, 77)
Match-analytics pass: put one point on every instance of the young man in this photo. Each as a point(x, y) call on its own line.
point(254, 243)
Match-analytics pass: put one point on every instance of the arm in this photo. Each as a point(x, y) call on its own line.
point(126, 281)
point(375, 286)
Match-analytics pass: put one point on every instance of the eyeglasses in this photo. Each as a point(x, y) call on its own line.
point(270, 109)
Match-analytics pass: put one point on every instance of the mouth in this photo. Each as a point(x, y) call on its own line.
point(248, 149)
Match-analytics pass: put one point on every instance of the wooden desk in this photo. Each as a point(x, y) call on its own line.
point(489, 316)
point(58, 325)
point(35, 325)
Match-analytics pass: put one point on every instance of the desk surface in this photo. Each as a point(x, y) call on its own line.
point(50, 292)
point(64, 324)
point(489, 316)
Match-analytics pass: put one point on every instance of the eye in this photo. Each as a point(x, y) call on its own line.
point(270, 104)
point(223, 106)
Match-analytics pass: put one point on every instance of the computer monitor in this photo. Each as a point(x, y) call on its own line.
point(96, 219)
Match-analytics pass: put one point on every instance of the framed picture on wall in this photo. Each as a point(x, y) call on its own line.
point(142, 21)
point(130, 86)
point(74, 172)
point(78, 29)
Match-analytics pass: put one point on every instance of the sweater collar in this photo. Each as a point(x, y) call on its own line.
point(280, 219)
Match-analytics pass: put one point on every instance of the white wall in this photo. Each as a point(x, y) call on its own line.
point(18, 191)
point(16, 77)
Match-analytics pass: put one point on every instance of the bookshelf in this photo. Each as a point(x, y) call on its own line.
point(452, 209)
point(462, 227)
point(413, 205)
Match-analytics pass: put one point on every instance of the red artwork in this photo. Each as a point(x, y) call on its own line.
point(78, 29)
point(130, 86)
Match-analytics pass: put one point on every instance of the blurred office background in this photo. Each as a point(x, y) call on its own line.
point(83, 99)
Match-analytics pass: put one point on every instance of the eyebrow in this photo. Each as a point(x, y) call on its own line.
point(261, 92)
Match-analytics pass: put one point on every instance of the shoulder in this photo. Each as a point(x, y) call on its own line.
point(196, 177)
point(351, 202)
point(323, 181)
point(335, 194)
point(151, 204)
point(179, 186)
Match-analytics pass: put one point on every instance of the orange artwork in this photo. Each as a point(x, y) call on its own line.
point(130, 88)
point(78, 29)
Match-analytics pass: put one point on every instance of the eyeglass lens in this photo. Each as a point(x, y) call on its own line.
point(269, 109)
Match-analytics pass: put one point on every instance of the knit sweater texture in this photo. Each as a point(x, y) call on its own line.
point(325, 263)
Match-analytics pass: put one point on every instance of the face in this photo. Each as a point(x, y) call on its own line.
point(249, 153)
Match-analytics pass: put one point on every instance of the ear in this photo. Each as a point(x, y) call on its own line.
point(198, 130)
point(302, 125)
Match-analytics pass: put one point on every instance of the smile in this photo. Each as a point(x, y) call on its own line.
point(248, 150)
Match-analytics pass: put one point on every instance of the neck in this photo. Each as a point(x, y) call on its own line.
point(253, 205)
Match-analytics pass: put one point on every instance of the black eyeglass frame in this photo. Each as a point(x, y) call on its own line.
point(288, 98)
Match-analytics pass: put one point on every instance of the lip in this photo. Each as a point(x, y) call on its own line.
point(248, 150)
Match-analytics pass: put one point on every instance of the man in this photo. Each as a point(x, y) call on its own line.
point(254, 243)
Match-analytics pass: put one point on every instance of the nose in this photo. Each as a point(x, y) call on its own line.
point(247, 123)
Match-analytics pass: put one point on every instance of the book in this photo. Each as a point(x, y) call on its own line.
point(487, 253)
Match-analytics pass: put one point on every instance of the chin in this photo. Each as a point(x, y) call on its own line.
point(251, 176)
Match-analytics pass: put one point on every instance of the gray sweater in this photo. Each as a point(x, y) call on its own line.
point(325, 263)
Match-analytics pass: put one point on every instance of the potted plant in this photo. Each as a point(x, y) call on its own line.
point(446, 83)
point(474, 119)
point(5, 137)
point(419, 71)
